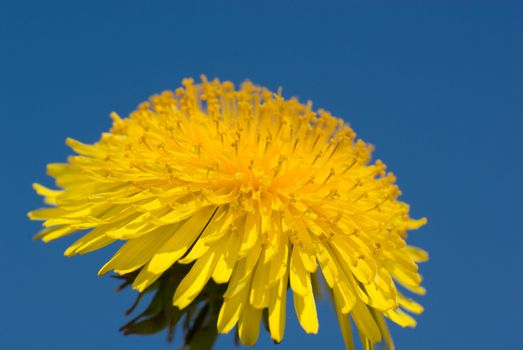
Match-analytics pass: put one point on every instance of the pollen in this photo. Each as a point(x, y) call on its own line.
point(253, 191)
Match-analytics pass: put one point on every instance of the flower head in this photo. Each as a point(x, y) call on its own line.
point(251, 191)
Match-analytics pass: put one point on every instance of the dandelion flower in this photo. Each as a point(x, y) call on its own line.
point(249, 191)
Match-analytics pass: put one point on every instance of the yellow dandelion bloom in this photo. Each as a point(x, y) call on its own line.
point(251, 191)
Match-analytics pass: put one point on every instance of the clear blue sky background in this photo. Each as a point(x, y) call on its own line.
point(437, 86)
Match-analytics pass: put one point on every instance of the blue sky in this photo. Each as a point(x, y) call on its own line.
point(436, 86)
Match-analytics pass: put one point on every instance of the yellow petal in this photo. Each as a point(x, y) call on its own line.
point(51, 233)
point(298, 273)
point(365, 322)
point(46, 213)
point(380, 320)
point(135, 228)
point(193, 283)
point(309, 261)
point(227, 260)
point(181, 212)
point(304, 302)
point(329, 268)
point(50, 195)
point(365, 269)
point(344, 296)
point(249, 325)
point(415, 224)
point(233, 302)
point(277, 307)
point(95, 239)
point(65, 174)
point(305, 307)
point(173, 249)
point(401, 318)
point(279, 262)
point(197, 251)
point(259, 289)
point(406, 278)
point(382, 292)
point(220, 222)
point(137, 252)
point(84, 149)
point(215, 230)
point(248, 268)
point(250, 233)
point(417, 254)
point(344, 322)
point(230, 313)
point(345, 274)
point(409, 304)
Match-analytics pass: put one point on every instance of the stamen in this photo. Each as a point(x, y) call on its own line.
point(331, 173)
